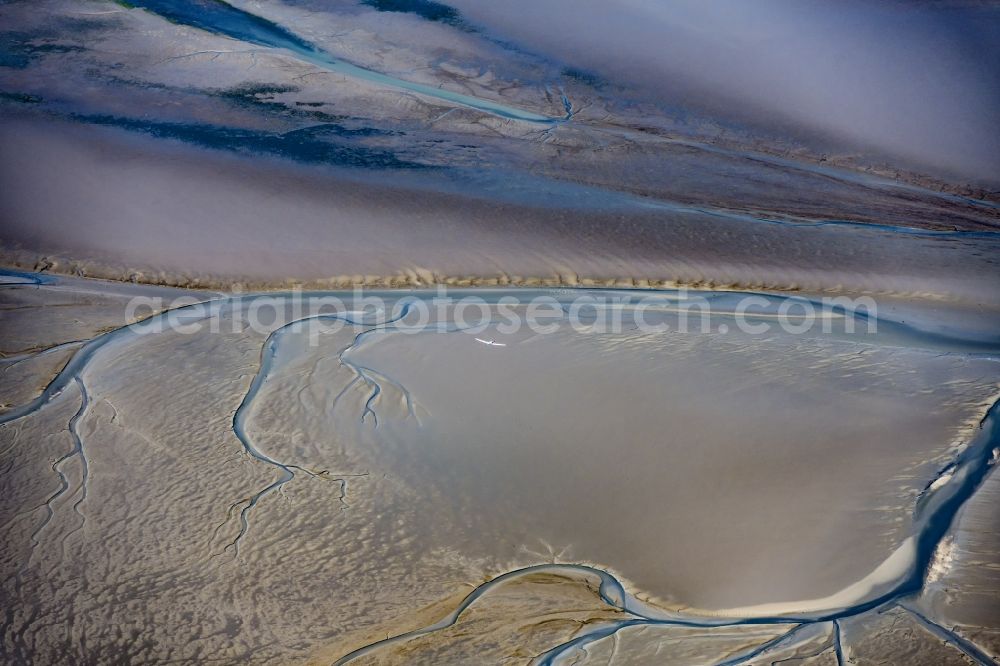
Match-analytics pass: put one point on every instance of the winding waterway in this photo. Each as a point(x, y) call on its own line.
point(890, 585)
point(223, 19)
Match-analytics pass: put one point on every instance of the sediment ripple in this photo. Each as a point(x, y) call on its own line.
point(933, 514)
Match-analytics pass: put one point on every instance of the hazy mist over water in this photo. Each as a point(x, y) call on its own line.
point(916, 81)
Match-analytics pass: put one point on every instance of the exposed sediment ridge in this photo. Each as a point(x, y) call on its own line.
point(462, 228)
point(422, 278)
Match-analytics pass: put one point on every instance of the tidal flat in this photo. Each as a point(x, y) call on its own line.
point(339, 144)
point(420, 332)
point(373, 486)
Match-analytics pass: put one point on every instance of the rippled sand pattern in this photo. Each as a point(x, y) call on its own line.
point(379, 495)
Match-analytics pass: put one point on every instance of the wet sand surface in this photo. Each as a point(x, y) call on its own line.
point(189, 216)
point(372, 486)
point(301, 493)
point(203, 144)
